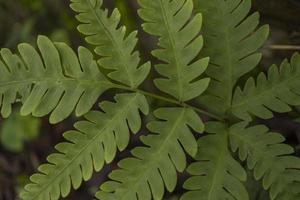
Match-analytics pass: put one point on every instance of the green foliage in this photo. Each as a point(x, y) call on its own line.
point(116, 51)
point(269, 159)
point(265, 153)
point(56, 81)
point(216, 174)
point(274, 92)
point(180, 43)
point(156, 164)
point(94, 142)
point(231, 39)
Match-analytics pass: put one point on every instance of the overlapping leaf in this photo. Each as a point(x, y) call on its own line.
point(231, 39)
point(115, 48)
point(180, 45)
point(269, 158)
point(94, 142)
point(275, 91)
point(57, 81)
point(154, 167)
point(215, 174)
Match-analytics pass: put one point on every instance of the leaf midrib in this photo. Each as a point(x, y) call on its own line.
point(173, 49)
point(265, 91)
point(154, 155)
point(115, 43)
point(220, 164)
point(228, 63)
point(100, 83)
point(92, 140)
point(51, 80)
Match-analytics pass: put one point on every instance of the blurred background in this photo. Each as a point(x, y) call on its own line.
point(26, 141)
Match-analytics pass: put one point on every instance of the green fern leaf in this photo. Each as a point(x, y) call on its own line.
point(117, 51)
point(94, 142)
point(231, 39)
point(154, 166)
point(274, 92)
point(269, 159)
point(57, 82)
point(180, 44)
point(216, 174)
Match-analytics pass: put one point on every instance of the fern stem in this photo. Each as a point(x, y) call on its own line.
point(285, 47)
point(169, 100)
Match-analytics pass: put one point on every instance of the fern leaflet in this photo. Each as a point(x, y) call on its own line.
point(117, 51)
point(269, 159)
point(154, 166)
point(58, 82)
point(180, 44)
point(231, 39)
point(276, 91)
point(215, 175)
point(94, 142)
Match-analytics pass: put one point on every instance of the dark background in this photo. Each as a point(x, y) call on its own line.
point(23, 20)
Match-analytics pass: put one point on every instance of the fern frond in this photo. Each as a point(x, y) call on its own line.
point(231, 39)
point(112, 44)
point(94, 142)
point(57, 81)
point(154, 166)
point(179, 44)
point(274, 92)
point(216, 174)
point(269, 158)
